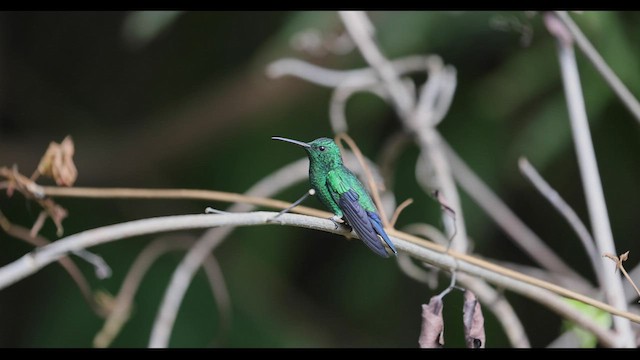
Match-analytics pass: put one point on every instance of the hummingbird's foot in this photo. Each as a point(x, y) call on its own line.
point(336, 221)
point(210, 210)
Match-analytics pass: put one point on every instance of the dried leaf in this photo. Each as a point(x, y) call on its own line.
point(57, 162)
point(432, 334)
point(473, 321)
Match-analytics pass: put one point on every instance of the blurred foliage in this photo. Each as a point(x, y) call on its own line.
point(181, 100)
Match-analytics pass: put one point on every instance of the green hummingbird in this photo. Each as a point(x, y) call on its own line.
point(341, 192)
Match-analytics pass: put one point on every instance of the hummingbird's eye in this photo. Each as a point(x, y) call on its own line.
point(321, 148)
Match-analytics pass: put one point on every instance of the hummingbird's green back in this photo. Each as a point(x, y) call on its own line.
point(330, 178)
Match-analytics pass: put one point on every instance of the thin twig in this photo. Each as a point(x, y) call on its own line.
point(620, 266)
point(220, 294)
point(334, 78)
point(101, 268)
point(601, 66)
point(546, 275)
point(392, 148)
point(74, 272)
point(417, 273)
point(567, 212)
point(589, 170)
point(373, 187)
point(180, 281)
point(122, 304)
point(111, 193)
point(399, 209)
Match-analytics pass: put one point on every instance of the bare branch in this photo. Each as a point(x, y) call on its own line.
point(361, 31)
point(567, 212)
point(74, 272)
point(589, 172)
point(392, 148)
point(417, 273)
point(418, 248)
point(601, 66)
point(220, 294)
point(619, 266)
point(338, 103)
point(399, 209)
point(334, 78)
point(122, 305)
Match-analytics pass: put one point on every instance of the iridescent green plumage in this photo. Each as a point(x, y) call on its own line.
point(341, 192)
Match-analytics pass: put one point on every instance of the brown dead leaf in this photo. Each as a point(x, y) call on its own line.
point(473, 319)
point(432, 334)
point(57, 163)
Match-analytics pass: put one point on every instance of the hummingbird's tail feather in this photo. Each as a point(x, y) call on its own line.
point(377, 225)
point(359, 219)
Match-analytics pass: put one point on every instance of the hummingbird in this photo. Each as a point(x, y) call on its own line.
point(342, 193)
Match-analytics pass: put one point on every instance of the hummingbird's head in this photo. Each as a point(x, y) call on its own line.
point(322, 151)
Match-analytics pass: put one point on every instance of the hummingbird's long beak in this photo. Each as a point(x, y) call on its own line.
point(303, 144)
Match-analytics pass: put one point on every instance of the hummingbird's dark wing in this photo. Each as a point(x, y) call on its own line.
point(377, 226)
point(360, 220)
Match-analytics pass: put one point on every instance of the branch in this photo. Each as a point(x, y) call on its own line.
point(334, 78)
point(113, 193)
point(362, 32)
point(417, 247)
point(122, 305)
point(65, 261)
point(601, 66)
point(589, 169)
point(415, 118)
point(567, 212)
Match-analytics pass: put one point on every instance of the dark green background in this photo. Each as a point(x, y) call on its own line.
point(192, 108)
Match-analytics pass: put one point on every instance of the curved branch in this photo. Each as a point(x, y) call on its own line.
point(601, 66)
point(419, 248)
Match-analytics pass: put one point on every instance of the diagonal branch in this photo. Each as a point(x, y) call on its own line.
point(567, 212)
point(601, 66)
point(66, 262)
point(589, 169)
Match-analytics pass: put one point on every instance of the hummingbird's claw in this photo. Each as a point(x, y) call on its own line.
point(336, 221)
